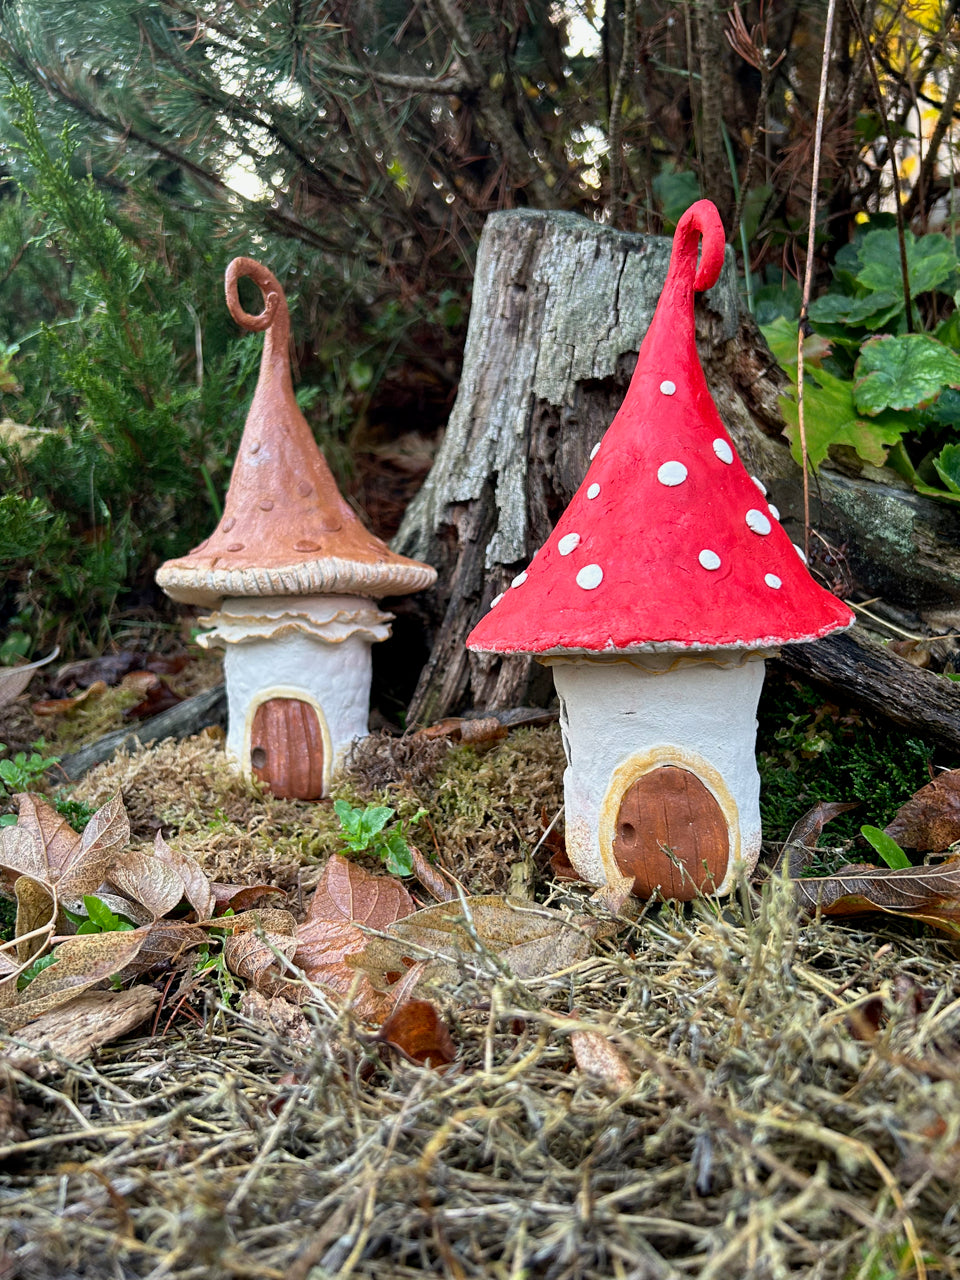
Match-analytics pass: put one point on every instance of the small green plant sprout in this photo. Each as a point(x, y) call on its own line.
point(38, 966)
point(363, 832)
point(98, 919)
point(886, 846)
point(23, 773)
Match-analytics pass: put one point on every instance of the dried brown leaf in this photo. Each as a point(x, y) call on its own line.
point(418, 1031)
point(432, 878)
point(34, 911)
point(596, 1056)
point(531, 940)
point(104, 838)
point(346, 891)
point(369, 1002)
point(285, 1020)
point(81, 963)
point(147, 880)
point(930, 819)
point(241, 897)
point(196, 886)
point(322, 942)
point(21, 852)
point(69, 706)
point(167, 942)
point(805, 833)
point(268, 919)
point(253, 956)
point(931, 894)
point(58, 841)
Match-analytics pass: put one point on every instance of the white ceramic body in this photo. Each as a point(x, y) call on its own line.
point(621, 717)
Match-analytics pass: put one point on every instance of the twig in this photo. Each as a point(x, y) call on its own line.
point(808, 271)
point(615, 125)
point(891, 153)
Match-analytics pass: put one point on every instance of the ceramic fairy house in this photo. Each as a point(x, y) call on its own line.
point(666, 583)
point(292, 574)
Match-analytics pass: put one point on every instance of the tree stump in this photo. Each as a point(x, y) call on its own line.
point(560, 306)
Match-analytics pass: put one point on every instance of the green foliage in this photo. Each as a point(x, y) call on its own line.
point(121, 429)
point(886, 846)
point(98, 918)
point(38, 966)
point(889, 395)
point(24, 772)
point(903, 372)
point(363, 832)
point(810, 750)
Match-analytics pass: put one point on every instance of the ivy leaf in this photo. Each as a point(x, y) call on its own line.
point(903, 372)
point(831, 418)
point(948, 467)
point(931, 261)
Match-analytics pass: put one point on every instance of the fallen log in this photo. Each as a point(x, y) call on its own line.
point(560, 306)
point(183, 720)
point(859, 670)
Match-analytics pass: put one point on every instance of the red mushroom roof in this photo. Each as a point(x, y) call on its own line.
point(286, 529)
point(668, 543)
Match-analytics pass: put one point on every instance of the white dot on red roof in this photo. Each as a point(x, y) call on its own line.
point(668, 388)
point(773, 511)
point(590, 576)
point(519, 580)
point(593, 491)
point(772, 580)
point(709, 559)
point(672, 473)
point(722, 450)
point(594, 451)
point(569, 542)
point(757, 521)
point(496, 600)
point(760, 485)
point(800, 552)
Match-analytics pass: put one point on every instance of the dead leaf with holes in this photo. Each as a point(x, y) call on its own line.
point(930, 819)
point(930, 894)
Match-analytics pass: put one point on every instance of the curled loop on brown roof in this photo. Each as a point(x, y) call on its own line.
point(275, 303)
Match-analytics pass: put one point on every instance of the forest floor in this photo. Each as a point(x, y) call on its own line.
point(716, 1089)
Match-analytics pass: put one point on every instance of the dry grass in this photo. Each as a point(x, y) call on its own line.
point(760, 1137)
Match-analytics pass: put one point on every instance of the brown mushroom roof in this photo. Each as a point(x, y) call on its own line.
point(285, 529)
point(668, 544)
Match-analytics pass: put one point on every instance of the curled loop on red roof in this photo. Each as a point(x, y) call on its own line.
point(268, 284)
point(701, 219)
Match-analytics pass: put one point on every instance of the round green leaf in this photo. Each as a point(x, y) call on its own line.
point(903, 372)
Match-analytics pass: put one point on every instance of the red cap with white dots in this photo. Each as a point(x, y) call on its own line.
point(668, 543)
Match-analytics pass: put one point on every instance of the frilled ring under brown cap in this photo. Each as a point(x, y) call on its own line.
point(285, 529)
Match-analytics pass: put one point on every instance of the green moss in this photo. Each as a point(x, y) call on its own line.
point(809, 749)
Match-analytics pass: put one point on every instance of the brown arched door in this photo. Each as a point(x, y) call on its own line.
point(670, 808)
point(286, 748)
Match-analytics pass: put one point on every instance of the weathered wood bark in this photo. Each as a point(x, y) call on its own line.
point(560, 306)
